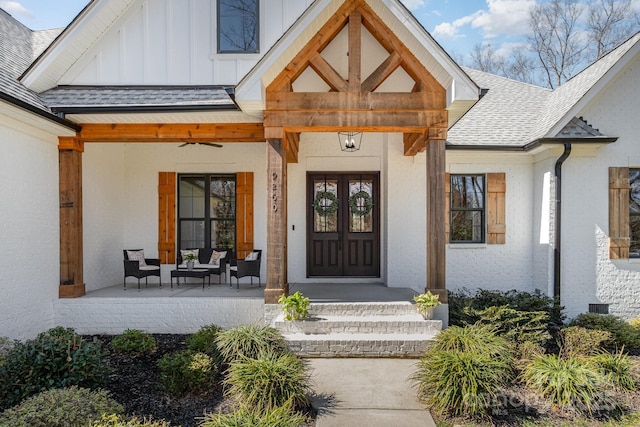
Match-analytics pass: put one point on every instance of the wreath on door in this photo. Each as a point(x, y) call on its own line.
point(325, 203)
point(360, 203)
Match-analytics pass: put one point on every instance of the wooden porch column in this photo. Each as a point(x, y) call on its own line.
point(276, 222)
point(436, 243)
point(70, 187)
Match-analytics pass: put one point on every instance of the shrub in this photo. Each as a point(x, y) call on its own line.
point(623, 333)
point(635, 322)
point(473, 339)
point(565, 381)
point(294, 306)
point(464, 370)
point(66, 407)
point(134, 341)
point(5, 347)
point(57, 358)
point(578, 341)
point(250, 341)
point(269, 381)
point(187, 371)
point(118, 421)
point(204, 341)
point(617, 369)
point(518, 300)
point(282, 416)
point(516, 326)
point(461, 382)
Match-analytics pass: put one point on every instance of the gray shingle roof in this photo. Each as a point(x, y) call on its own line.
point(516, 114)
point(66, 97)
point(18, 48)
point(578, 128)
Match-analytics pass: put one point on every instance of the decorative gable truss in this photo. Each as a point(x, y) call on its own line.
point(347, 100)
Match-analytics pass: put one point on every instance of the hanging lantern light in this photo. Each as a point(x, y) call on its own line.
point(349, 141)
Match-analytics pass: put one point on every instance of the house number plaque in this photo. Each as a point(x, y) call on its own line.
point(274, 195)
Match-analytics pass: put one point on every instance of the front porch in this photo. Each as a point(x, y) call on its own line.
point(184, 310)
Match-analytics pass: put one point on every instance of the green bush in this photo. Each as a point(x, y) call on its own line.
point(578, 341)
point(187, 371)
point(566, 381)
point(66, 407)
point(516, 326)
point(118, 421)
point(623, 333)
point(635, 322)
point(269, 381)
point(134, 341)
point(461, 301)
point(57, 358)
point(464, 371)
point(5, 347)
point(250, 341)
point(461, 382)
point(204, 341)
point(617, 369)
point(473, 339)
point(282, 416)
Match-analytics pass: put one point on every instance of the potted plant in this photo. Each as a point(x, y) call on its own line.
point(294, 306)
point(190, 258)
point(426, 304)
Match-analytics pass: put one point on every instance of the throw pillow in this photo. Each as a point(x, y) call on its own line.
point(184, 252)
point(252, 256)
point(137, 256)
point(216, 256)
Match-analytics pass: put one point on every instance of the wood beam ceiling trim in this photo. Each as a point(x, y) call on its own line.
point(323, 37)
point(328, 73)
point(414, 142)
point(293, 146)
point(355, 51)
point(364, 121)
point(339, 101)
point(391, 43)
point(381, 73)
point(70, 143)
point(172, 132)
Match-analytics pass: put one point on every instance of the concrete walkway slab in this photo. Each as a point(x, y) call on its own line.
point(367, 393)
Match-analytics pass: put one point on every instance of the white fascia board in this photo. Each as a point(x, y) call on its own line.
point(32, 121)
point(74, 41)
point(596, 89)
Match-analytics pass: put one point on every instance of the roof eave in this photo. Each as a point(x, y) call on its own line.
point(114, 109)
point(596, 140)
point(40, 112)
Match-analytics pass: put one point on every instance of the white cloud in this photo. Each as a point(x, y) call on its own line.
point(16, 8)
point(501, 17)
point(413, 4)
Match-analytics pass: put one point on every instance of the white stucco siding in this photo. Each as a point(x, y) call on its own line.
point(104, 213)
point(589, 276)
point(29, 229)
point(121, 198)
point(501, 267)
point(173, 42)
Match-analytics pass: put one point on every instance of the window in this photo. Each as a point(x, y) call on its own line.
point(207, 211)
point(467, 209)
point(238, 26)
point(634, 212)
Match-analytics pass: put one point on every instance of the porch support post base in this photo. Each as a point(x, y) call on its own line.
point(276, 221)
point(436, 244)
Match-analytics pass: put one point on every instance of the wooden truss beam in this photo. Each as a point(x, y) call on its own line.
point(415, 143)
point(172, 132)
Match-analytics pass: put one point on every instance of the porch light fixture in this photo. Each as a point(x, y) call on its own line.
point(349, 141)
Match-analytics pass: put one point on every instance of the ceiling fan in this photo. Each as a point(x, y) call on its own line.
point(210, 144)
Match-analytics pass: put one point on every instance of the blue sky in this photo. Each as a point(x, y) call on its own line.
point(456, 24)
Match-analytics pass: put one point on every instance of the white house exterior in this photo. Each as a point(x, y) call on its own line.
point(129, 81)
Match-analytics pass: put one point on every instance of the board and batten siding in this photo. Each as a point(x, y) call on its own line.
point(174, 42)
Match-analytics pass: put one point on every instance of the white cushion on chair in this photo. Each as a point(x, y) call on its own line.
point(149, 267)
point(215, 258)
point(233, 268)
point(252, 256)
point(137, 256)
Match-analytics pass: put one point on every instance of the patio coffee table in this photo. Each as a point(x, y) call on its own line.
point(202, 273)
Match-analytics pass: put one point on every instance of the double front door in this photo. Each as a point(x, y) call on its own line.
point(343, 225)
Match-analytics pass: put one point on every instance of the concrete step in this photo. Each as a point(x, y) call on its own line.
point(362, 308)
point(327, 324)
point(359, 345)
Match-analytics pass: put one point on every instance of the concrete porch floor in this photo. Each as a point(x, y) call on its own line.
point(317, 292)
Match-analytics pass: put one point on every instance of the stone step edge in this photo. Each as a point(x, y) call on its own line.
point(408, 317)
point(346, 336)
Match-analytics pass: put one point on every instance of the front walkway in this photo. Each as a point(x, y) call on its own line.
point(367, 393)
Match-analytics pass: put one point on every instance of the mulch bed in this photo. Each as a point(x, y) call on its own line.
point(135, 383)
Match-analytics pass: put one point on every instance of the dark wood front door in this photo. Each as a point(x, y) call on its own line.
point(343, 225)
